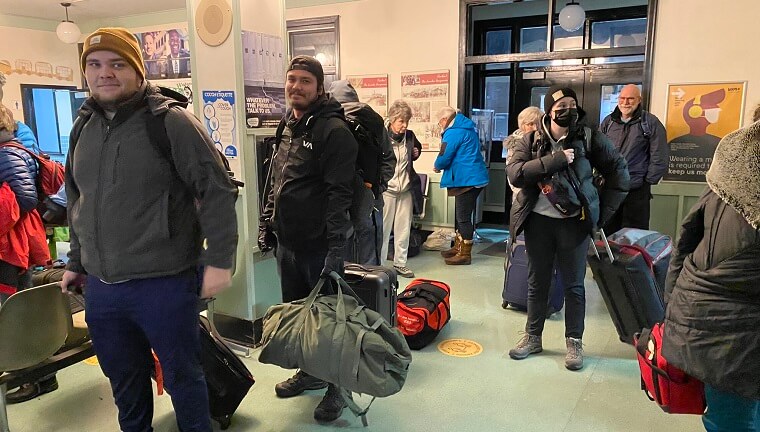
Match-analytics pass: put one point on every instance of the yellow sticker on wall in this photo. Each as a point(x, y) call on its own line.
point(460, 348)
point(92, 361)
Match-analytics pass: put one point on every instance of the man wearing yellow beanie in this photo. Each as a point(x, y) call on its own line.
point(137, 163)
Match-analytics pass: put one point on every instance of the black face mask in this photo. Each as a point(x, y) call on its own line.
point(566, 117)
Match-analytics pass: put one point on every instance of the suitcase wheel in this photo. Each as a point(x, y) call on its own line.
point(504, 304)
point(224, 422)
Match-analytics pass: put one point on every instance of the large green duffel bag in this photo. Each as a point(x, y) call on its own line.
point(339, 340)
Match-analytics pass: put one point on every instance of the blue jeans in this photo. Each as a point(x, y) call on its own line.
point(125, 321)
point(728, 412)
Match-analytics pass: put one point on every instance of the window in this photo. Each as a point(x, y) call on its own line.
point(497, 99)
point(498, 42)
point(618, 34)
point(318, 38)
point(533, 39)
point(50, 113)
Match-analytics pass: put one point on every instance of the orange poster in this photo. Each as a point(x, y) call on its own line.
point(698, 116)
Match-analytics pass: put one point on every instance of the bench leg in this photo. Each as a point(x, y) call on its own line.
point(4, 426)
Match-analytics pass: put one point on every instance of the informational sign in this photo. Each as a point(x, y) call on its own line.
point(219, 117)
point(264, 59)
point(372, 90)
point(426, 93)
point(698, 116)
point(181, 86)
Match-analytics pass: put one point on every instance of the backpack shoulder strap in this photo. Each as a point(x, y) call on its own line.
point(645, 128)
point(156, 127)
point(77, 127)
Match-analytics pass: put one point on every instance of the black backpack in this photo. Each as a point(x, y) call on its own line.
point(367, 128)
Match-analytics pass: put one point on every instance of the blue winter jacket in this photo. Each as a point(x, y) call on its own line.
point(460, 158)
point(19, 170)
point(26, 137)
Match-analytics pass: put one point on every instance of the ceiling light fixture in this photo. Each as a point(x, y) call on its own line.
point(67, 31)
point(572, 16)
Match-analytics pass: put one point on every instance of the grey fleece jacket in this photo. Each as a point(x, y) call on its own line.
point(133, 212)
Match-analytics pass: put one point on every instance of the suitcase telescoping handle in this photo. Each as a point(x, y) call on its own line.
point(606, 244)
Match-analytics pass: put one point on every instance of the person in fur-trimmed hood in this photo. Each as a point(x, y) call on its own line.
point(713, 287)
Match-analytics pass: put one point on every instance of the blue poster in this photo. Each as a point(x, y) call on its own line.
point(219, 117)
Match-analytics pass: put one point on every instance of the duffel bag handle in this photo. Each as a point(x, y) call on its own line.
point(344, 286)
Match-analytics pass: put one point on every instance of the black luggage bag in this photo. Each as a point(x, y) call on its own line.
point(515, 291)
point(376, 286)
point(227, 378)
point(626, 280)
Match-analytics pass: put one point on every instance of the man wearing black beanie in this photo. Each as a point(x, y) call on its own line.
point(305, 215)
point(558, 206)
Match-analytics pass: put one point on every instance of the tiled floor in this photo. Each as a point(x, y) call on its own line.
point(489, 392)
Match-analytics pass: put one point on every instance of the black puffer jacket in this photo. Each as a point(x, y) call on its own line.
point(533, 160)
point(313, 175)
point(19, 169)
point(712, 321)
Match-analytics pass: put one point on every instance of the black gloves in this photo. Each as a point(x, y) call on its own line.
point(333, 262)
point(267, 240)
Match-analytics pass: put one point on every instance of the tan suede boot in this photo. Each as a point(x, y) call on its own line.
point(464, 256)
point(450, 253)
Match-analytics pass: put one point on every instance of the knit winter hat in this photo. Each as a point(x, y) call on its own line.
point(311, 65)
point(556, 93)
point(118, 40)
point(734, 174)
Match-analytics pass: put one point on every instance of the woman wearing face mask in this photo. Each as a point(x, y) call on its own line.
point(558, 206)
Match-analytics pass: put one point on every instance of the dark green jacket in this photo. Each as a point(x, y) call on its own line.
point(132, 214)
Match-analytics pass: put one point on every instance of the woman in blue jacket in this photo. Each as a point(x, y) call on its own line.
point(464, 175)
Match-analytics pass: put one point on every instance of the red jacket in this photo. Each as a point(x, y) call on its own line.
point(23, 242)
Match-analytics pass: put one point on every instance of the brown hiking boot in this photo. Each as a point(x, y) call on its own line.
point(449, 253)
point(464, 256)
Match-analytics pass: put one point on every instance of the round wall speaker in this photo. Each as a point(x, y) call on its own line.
point(213, 21)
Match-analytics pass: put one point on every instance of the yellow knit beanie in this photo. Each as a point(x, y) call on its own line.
point(118, 40)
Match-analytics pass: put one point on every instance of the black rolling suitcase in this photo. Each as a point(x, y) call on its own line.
point(227, 378)
point(626, 280)
point(376, 286)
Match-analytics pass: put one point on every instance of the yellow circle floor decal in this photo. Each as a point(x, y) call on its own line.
point(460, 348)
point(92, 361)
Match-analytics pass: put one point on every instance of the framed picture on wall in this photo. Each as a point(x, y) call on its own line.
point(698, 116)
point(426, 93)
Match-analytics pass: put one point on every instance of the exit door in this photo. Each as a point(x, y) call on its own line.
point(597, 88)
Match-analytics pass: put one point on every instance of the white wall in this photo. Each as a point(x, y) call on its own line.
point(706, 42)
point(34, 46)
point(395, 36)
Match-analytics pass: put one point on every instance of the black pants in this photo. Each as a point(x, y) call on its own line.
point(634, 212)
point(299, 271)
point(464, 205)
point(565, 241)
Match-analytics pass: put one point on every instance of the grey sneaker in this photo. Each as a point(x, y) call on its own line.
point(574, 357)
point(297, 384)
point(404, 271)
point(528, 345)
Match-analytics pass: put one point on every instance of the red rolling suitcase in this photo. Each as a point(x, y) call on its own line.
point(626, 280)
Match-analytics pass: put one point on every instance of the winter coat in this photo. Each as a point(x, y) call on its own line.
point(647, 158)
point(460, 158)
point(23, 242)
point(415, 183)
point(313, 179)
point(19, 169)
point(132, 208)
point(533, 161)
point(712, 289)
point(25, 136)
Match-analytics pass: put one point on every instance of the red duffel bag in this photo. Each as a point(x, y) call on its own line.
point(671, 388)
point(423, 309)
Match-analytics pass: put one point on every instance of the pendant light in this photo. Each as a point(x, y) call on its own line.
point(572, 16)
point(67, 31)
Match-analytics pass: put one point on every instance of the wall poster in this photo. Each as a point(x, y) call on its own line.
point(219, 118)
point(372, 90)
point(426, 93)
point(697, 117)
point(264, 59)
point(166, 53)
